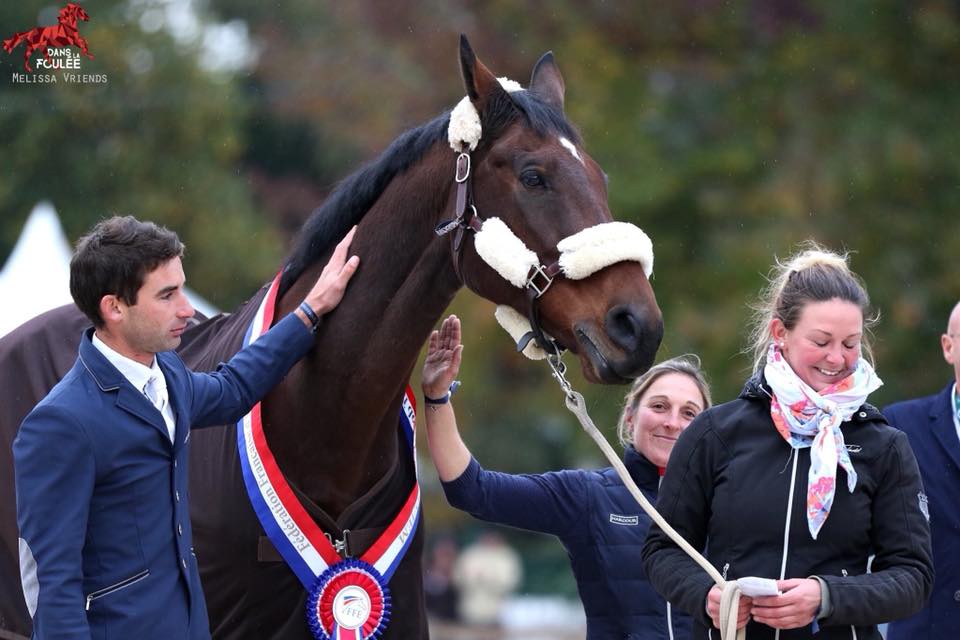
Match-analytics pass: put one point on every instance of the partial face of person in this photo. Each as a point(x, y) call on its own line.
point(160, 316)
point(950, 341)
point(667, 407)
point(824, 346)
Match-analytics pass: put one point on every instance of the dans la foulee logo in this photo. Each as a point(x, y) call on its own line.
point(58, 63)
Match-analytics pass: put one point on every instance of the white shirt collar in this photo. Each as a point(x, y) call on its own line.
point(136, 373)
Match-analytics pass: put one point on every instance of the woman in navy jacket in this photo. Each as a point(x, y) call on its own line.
point(591, 512)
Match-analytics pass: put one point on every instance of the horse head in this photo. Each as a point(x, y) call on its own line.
point(71, 13)
point(546, 246)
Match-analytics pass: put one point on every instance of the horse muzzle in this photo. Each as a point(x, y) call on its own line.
point(624, 348)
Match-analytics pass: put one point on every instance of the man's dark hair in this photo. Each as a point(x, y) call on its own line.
point(115, 258)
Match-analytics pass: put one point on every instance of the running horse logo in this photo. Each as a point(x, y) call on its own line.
point(62, 34)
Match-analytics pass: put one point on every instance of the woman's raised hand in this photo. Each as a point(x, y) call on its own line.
point(442, 363)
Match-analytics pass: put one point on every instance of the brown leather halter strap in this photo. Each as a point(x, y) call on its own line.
point(539, 278)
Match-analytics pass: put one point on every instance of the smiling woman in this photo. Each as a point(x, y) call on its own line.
point(804, 406)
point(660, 405)
point(592, 513)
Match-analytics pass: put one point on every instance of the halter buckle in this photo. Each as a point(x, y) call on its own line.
point(539, 289)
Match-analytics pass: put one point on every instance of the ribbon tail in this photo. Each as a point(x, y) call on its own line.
point(339, 633)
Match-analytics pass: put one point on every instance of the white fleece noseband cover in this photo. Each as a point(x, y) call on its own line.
point(581, 255)
point(505, 252)
point(599, 246)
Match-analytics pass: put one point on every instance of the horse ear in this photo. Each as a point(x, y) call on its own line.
point(547, 82)
point(480, 83)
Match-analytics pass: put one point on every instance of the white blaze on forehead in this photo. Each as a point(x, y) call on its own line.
point(572, 149)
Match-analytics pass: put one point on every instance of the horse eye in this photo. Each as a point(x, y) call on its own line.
point(531, 178)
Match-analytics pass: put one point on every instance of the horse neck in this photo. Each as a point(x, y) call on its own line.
point(345, 396)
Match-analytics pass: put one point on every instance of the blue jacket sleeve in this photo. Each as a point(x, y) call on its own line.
point(54, 468)
point(552, 502)
point(227, 394)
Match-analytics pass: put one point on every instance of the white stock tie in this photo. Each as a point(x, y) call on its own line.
point(156, 392)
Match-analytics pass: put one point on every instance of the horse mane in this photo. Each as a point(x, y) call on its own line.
point(357, 193)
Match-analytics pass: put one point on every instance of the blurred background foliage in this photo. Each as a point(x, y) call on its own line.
point(731, 131)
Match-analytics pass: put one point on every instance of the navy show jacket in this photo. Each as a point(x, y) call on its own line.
point(102, 504)
point(928, 423)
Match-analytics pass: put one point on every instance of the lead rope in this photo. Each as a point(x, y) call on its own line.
point(730, 590)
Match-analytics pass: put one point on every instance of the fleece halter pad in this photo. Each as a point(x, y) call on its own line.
point(581, 254)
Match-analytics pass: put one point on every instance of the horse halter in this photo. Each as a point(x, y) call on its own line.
point(581, 254)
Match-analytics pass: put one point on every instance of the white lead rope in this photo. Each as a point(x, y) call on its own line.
point(730, 594)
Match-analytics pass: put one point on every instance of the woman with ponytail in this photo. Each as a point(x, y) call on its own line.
point(799, 479)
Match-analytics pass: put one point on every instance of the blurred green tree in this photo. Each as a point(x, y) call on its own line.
point(160, 139)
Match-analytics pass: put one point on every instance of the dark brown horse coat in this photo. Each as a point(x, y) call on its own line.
point(218, 495)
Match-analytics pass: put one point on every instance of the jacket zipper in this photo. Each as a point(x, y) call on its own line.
point(123, 584)
point(786, 524)
point(669, 622)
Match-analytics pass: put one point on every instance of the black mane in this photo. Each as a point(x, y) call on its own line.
point(358, 192)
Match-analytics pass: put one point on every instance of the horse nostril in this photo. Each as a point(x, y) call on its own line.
point(624, 327)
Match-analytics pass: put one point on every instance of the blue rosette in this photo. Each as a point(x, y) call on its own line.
point(352, 596)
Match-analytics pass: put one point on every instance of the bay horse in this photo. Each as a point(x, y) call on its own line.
point(333, 422)
point(62, 34)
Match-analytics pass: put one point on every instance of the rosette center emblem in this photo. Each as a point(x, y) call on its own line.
point(351, 607)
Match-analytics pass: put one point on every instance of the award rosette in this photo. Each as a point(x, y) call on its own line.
point(350, 600)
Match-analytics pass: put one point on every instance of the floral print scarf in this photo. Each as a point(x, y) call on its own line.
point(806, 418)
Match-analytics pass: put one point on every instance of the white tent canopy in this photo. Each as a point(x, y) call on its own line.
point(36, 276)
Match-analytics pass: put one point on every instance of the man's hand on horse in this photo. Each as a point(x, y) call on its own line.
point(443, 358)
point(332, 283)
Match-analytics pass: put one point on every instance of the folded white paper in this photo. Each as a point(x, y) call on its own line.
point(754, 587)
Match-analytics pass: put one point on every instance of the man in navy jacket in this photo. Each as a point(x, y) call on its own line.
point(101, 462)
point(933, 427)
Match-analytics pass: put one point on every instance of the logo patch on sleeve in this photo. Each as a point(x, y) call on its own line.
point(924, 505)
point(624, 520)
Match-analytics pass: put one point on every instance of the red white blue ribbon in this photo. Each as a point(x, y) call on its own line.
point(340, 589)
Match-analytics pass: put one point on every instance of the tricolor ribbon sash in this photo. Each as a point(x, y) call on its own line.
point(349, 599)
